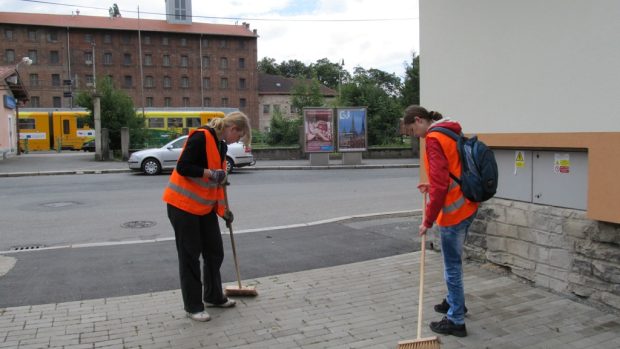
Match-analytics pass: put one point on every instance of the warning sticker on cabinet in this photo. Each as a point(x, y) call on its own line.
point(561, 163)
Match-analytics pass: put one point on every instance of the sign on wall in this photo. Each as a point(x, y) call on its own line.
point(352, 135)
point(318, 130)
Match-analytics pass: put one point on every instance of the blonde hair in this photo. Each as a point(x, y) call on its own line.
point(236, 119)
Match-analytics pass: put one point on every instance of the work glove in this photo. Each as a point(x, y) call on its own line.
point(228, 217)
point(218, 176)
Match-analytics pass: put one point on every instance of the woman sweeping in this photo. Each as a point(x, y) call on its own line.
point(195, 197)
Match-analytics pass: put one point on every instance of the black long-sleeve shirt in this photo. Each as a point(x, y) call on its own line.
point(193, 160)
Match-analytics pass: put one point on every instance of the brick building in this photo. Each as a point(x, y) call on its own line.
point(175, 63)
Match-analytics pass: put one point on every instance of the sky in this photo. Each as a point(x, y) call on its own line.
point(380, 34)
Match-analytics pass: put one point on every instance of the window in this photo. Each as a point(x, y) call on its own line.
point(107, 38)
point(155, 122)
point(175, 122)
point(224, 83)
point(57, 103)
point(34, 102)
point(65, 127)
point(223, 63)
point(167, 82)
point(206, 83)
point(54, 57)
point(206, 61)
point(146, 39)
point(276, 108)
point(179, 144)
point(242, 83)
point(34, 79)
point(127, 58)
point(52, 35)
point(185, 102)
point(32, 35)
point(127, 81)
point(205, 42)
point(180, 10)
point(88, 38)
point(32, 54)
point(242, 44)
point(26, 124)
point(242, 102)
point(125, 39)
point(55, 79)
point(265, 108)
point(184, 61)
point(8, 34)
point(242, 63)
point(148, 59)
point(224, 102)
point(89, 80)
point(183, 42)
point(193, 122)
point(148, 81)
point(107, 58)
point(166, 61)
point(207, 101)
point(88, 58)
point(184, 82)
point(149, 101)
point(223, 43)
point(164, 40)
point(9, 56)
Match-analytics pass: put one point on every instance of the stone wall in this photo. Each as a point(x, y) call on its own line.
point(551, 247)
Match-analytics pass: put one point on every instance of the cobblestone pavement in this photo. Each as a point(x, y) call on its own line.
point(371, 304)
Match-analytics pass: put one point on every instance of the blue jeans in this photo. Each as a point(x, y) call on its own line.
point(452, 239)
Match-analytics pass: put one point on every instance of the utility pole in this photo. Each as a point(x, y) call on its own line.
point(96, 112)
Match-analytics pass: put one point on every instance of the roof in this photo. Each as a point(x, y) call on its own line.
point(122, 23)
point(280, 85)
point(18, 89)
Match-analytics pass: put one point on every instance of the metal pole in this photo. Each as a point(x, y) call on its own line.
point(97, 112)
point(141, 69)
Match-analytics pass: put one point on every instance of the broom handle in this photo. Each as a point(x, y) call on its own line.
point(421, 291)
point(232, 239)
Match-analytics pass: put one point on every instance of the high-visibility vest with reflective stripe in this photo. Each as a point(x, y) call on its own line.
point(456, 206)
point(198, 195)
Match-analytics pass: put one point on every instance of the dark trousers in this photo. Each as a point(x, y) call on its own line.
point(195, 236)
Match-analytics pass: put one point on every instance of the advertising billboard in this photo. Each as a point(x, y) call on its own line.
point(319, 130)
point(352, 128)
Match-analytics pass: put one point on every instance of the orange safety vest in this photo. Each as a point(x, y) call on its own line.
point(456, 206)
point(195, 195)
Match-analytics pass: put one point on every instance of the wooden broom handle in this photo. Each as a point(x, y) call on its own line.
point(421, 289)
point(232, 238)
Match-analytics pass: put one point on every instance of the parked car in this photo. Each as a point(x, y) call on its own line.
point(89, 145)
point(154, 161)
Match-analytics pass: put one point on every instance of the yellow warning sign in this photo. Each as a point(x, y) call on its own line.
point(519, 159)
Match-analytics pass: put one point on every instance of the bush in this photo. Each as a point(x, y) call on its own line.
point(283, 131)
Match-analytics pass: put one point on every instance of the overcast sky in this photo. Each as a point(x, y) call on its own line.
point(379, 34)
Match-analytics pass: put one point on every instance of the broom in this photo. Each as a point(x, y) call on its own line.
point(236, 290)
point(421, 343)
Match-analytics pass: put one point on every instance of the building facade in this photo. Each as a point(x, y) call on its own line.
point(157, 63)
point(12, 94)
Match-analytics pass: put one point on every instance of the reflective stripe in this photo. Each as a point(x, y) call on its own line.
point(189, 194)
point(202, 183)
point(455, 205)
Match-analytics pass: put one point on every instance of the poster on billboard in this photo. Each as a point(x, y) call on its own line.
point(352, 136)
point(318, 130)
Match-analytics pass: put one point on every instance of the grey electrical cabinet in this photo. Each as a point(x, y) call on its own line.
point(556, 178)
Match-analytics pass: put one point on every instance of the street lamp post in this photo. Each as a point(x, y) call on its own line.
point(26, 61)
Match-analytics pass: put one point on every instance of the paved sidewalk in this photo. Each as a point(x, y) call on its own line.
point(370, 304)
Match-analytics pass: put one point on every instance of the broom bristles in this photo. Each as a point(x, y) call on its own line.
point(243, 291)
point(421, 343)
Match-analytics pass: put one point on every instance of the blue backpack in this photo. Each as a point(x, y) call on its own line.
point(479, 169)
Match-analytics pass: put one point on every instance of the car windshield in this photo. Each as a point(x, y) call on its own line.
point(179, 143)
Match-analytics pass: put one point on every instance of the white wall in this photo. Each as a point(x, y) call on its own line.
point(522, 65)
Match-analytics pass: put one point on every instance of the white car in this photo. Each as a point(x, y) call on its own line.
point(154, 161)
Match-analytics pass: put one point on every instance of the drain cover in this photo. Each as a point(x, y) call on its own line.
point(26, 248)
point(138, 224)
point(60, 204)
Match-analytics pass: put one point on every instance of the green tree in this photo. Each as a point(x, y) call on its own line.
point(330, 74)
point(269, 66)
point(294, 68)
point(411, 86)
point(307, 93)
point(117, 110)
point(283, 131)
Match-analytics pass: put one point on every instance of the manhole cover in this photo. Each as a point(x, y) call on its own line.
point(26, 248)
point(138, 224)
point(60, 204)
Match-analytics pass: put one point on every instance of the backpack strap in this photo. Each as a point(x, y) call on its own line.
point(448, 132)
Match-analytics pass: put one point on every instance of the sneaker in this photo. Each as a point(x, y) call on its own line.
point(444, 307)
point(229, 303)
point(201, 316)
point(445, 326)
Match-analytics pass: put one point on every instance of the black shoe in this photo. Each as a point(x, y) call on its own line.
point(446, 326)
point(444, 307)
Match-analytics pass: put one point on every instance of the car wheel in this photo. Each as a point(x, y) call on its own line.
point(151, 167)
point(229, 165)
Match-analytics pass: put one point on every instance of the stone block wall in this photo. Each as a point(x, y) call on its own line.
point(556, 248)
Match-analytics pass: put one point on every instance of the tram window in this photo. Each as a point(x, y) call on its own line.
point(65, 127)
point(26, 124)
point(175, 122)
point(156, 122)
point(193, 122)
point(82, 122)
